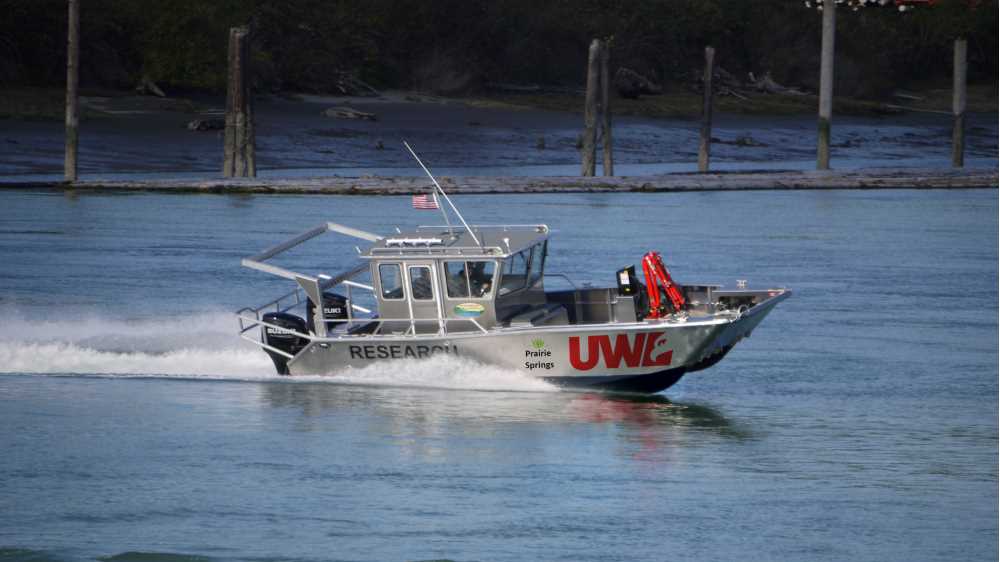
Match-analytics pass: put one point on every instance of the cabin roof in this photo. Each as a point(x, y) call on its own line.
point(495, 241)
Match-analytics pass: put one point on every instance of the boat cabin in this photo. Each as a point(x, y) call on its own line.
point(458, 279)
point(444, 279)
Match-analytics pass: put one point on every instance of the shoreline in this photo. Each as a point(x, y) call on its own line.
point(148, 146)
point(881, 178)
point(47, 104)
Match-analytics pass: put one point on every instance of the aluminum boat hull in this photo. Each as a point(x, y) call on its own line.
point(642, 356)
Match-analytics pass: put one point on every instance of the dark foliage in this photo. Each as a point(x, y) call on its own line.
point(458, 45)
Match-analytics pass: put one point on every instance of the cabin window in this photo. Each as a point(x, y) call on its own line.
point(391, 281)
point(538, 253)
point(458, 279)
point(515, 272)
point(481, 278)
point(473, 278)
point(420, 283)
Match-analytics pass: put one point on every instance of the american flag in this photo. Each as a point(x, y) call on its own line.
point(425, 201)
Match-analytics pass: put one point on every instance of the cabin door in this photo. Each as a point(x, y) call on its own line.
point(424, 298)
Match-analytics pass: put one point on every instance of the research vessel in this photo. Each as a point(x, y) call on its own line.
point(482, 292)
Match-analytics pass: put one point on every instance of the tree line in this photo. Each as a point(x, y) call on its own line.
point(455, 46)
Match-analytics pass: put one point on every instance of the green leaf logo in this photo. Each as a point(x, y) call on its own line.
point(538, 344)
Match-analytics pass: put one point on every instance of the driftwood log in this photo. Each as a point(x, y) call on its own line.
point(350, 85)
point(767, 85)
point(348, 113)
point(630, 84)
point(206, 124)
point(146, 87)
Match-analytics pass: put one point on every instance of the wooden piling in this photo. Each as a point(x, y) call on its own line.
point(72, 92)
point(960, 74)
point(826, 85)
point(240, 144)
point(606, 141)
point(589, 149)
point(705, 146)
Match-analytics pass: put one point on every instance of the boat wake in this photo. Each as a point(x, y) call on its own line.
point(205, 346)
point(202, 345)
point(439, 371)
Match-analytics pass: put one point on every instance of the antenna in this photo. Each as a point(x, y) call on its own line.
point(445, 195)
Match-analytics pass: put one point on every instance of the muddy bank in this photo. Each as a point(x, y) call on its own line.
point(138, 142)
point(373, 185)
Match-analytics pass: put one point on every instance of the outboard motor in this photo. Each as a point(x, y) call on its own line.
point(334, 311)
point(629, 285)
point(283, 338)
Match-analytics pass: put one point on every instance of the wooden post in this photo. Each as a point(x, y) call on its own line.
point(609, 160)
point(958, 103)
point(705, 146)
point(826, 85)
point(240, 150)
point(72, 91)
point(590, 110)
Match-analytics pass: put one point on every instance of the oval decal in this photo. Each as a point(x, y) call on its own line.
point(469, 309)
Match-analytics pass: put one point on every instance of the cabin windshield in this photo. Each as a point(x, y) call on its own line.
point(515, 272)
point(523, 269)
point(538, 254)
point(469, 279)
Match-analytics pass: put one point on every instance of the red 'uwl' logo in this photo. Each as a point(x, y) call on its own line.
point(634, 353)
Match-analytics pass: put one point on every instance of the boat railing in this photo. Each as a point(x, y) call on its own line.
point(562, 276)
point(279, 304)
point(250, 323)
point(251, 318)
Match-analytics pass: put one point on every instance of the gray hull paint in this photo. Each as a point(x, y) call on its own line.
point(646, 356)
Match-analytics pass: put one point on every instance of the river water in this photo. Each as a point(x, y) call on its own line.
point(858, 423)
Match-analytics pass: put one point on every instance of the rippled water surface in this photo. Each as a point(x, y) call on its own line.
point(858, 423)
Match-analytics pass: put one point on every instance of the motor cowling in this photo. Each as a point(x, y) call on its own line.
point(334, 311)
point(629, 285)
point(280, 335)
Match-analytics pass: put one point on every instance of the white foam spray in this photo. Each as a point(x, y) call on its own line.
point(206, 346)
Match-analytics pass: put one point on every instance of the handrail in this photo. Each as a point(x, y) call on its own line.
point(458, 251)
point(257, 261)
point(268, 347)
point(276, 303)
point(250, 318)
point(544, 228)
point(255, 322)
point(563, 276)
point(358, 285)
point(297, 293)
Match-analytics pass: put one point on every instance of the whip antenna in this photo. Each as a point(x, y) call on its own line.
point(445, 196)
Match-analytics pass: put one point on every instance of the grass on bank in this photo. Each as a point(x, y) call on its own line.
point(32, 104)
point(48, 104)
point(686, 104)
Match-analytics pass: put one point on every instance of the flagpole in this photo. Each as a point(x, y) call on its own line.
point(445, 195)
point(443, 211)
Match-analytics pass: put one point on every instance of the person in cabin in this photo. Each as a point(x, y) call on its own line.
point(481, 280)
